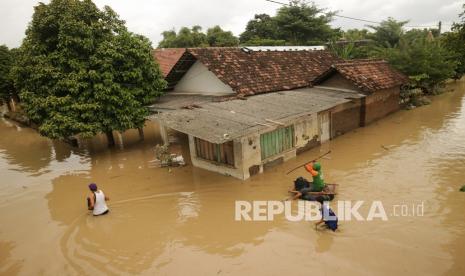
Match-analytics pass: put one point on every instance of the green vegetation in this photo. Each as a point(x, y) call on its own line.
point(423, 55)
point(6, 82)
point(423, 58)
point(216, 37)
point(81, 71)
point(299, 23)
point(455, 41)
point(194, 37)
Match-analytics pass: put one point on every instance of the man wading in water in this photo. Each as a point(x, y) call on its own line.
point(96, 201)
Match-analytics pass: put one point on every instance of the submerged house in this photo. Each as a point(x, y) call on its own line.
point(245, 110)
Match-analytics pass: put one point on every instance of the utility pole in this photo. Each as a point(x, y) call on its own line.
point(439, 28)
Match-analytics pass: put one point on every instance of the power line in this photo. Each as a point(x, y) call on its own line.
point(358, 19)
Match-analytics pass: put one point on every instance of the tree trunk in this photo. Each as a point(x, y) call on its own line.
point(141, 133)
point(110, 139)
point(8, 105)
point(12, 104)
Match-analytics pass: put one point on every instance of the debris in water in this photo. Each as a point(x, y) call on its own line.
point(167, 159)
point(384, 147)
point(462, 189)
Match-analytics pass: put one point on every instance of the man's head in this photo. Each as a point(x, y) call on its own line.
point(93, 187)
point(316, 166)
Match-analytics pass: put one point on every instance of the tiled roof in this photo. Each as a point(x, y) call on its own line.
point(256, 72)
point(371, 74)
point(167, 58)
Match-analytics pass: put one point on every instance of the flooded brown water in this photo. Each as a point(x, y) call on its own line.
point(181, 221)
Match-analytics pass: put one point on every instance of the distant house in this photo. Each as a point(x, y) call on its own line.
point(375, 78)
point(246, 109)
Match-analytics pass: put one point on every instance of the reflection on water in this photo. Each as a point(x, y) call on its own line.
point(181, 221)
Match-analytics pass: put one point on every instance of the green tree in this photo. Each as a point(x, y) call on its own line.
point(388, 33)
point(344, 50)
point(184, 38)
point(81, 72)
point(425, 60)
point(302, 23)
point(355, 34)
point(6, 83)
point(262, 27)
point(194, 37)
point(299, 23)
point(217, 37)
point(455, 41)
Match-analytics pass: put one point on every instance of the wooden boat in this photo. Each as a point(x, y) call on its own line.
point(330, 190)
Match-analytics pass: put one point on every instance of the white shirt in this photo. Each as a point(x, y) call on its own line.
point(100, 206)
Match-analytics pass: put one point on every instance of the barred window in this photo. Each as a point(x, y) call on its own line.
point(221, 153)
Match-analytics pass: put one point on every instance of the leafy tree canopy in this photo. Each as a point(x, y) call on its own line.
point(299, 23)
point(194, 37)
point(6, 62)
point(355, 34)
point(455, 41)
point(262, 27)
point(388, 33)
point(424, 59)
point(216, 37)
point(185, 37)
point(81, 72)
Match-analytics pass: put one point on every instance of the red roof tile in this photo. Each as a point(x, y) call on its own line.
point(167, 58)
point(371, 74)
point(257, 72)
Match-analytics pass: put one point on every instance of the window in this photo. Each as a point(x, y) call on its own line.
point(277, 141)
point(221, 153)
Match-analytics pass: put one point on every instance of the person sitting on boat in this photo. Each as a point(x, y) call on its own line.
point(318, 183)
point(96, 201)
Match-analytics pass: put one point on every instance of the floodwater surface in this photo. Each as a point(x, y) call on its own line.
point(181, 221)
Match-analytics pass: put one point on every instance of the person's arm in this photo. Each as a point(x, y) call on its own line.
point(292, 190)
point(297, 195)
point(91, 201)
point(309, 168)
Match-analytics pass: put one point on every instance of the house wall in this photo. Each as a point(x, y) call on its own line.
point(307, 131)
point(199, 80)
point(345, 117)
point(381, 103)
point(338, 81)
point(236, 171)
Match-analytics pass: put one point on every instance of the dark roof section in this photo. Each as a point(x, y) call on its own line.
point(255, 72)
point(174, 63)
point(370, 74)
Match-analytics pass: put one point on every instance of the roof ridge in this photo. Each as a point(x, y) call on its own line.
point(361, 61)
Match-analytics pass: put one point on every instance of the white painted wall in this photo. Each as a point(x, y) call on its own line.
point(199, 80)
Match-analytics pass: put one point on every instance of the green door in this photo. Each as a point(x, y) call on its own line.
point(277, 141)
